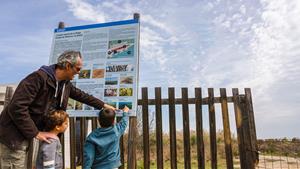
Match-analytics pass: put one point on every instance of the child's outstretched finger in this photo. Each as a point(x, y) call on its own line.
point(126, 109)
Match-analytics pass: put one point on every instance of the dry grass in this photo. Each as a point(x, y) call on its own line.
point(180, 150)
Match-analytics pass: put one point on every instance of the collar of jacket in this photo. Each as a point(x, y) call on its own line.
point(51, 83)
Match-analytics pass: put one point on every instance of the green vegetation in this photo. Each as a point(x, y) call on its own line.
point(280, 147)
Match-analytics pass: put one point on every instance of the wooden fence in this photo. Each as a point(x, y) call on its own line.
point(244, 120)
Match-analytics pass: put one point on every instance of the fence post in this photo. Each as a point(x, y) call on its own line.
point(246, 133)
point(132, 143)
point(8, 95)
point(145, 117)
point(131, 161)
point(252, 129)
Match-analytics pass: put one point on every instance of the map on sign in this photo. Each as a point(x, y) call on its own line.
point(110, 63)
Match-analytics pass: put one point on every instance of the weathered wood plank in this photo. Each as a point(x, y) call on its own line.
point(83, 134)
point(121, 147)
point(186, 128)
point(62, 141)
point(145, 128)
point(199, 129)
point(94, 123)
point(172, 125)
point(72, 142)
point(212, 129)
point(238, 121)
point(226, 128)
point(249, 104)
point(246, 144)
point(131, 161)
point(159, 139)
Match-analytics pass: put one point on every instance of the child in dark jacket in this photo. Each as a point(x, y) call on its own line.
point(101, 149)
point(50, 154)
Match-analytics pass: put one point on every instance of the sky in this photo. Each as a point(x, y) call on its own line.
point(218, 44)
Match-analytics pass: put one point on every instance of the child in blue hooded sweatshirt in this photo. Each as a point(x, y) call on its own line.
point(101, 149)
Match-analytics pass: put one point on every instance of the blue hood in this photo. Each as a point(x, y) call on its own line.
point(50, 70)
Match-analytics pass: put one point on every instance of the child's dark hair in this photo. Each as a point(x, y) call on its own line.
point(106, 117)
point(54, 118)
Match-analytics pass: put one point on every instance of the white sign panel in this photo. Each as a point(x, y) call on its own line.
point(110, 63)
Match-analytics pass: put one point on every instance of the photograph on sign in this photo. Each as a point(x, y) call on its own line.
point(121, 49)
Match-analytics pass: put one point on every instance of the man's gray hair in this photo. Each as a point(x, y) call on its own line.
point(70, 57)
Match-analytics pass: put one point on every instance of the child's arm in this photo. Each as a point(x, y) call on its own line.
point(88, 154)
point(48, 153)
point(121, 126)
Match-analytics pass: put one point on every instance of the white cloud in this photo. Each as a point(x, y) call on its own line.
point(243, 9)
point(85, 11)
point(275, 61)
point(273, 41)
point(150, 20)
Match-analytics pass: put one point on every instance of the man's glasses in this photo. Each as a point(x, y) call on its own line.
point(77, 68)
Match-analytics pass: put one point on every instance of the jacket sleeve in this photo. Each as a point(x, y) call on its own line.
point(48, 153)
point(18, 109)
point(121, 126)
point(88, 154)
point(85, 98)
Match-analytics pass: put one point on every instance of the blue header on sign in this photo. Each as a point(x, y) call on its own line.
point(125, 22)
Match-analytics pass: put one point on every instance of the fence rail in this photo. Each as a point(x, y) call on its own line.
point(244, 121)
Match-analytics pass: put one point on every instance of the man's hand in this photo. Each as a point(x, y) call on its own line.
point(109, 106)
point(43, 136)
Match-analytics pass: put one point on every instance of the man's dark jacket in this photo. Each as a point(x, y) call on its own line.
point(35, 96)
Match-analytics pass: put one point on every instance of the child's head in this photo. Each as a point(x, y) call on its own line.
point(56, 120)
point(106, 117)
